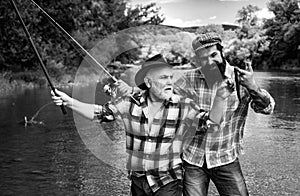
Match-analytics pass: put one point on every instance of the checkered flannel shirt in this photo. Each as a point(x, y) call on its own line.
point(155, 149)
point(224, 146)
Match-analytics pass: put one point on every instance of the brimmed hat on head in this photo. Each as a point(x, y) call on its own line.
point(206, 40)
point(155, 61)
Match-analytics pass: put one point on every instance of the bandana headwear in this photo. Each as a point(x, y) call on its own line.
point(205, 40)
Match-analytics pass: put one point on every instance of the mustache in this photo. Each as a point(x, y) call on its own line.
point(221, 67)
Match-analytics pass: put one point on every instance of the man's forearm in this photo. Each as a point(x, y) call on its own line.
point(259, 97)
point(217, 109)
point(84, 109)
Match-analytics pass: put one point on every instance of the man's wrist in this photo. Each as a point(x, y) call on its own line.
point(253, 87)
point(220, 98)
point(70, 102)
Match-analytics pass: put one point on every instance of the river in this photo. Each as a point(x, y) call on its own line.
point(54, 158)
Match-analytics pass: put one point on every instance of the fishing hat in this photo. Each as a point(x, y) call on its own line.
point(153, 62)
point(205, 40)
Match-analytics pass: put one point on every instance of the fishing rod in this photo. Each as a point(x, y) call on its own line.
point(74, 40)
point(36, 53)
point(114, 80)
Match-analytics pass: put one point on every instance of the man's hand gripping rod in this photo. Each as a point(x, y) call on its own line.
point(76, 42)
point(36, 52)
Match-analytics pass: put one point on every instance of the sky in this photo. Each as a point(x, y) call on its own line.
point(187, 13)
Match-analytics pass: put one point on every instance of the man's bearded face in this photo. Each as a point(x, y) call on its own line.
point(211, 62)
point(161, 82)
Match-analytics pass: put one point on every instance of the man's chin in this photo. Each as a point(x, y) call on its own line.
point(167, 94)
point(212, 76)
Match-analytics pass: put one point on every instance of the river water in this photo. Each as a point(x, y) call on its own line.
point(53, 158)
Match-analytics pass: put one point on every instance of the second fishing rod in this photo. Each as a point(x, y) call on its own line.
point(74, 40)
point(113, 78)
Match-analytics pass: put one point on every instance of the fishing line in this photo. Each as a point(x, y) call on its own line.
point(74, 40)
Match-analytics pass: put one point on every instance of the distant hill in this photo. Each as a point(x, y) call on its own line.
point(193, 29)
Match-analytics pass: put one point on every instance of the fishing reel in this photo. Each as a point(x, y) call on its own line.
point(110, 88)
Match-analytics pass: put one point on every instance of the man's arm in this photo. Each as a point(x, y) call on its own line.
point(212, 120)
point(89, 111)
point(183, 85)
point(262, 101)
point(84, 109)
point(125, 90)
point(217, 111)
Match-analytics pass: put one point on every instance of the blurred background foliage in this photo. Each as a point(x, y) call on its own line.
point(85, 20)
point(270, 44)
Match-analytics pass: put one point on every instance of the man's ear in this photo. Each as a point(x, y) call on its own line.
point(148, 82)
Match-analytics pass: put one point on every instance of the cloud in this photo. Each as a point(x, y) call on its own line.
point(264, 13)
point(153, 1)
point(180, 23)
point(212, 17)
point(233, 0)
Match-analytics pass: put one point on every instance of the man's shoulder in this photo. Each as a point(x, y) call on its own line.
point(177, 98)
point(194, 73)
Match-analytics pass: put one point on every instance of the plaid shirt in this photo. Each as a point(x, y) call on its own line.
point(155, 149)
point(224, 146)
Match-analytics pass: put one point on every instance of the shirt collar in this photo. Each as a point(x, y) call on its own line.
point(229, 70)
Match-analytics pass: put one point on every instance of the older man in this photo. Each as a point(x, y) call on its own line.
point(155, 121)
point(215, 157)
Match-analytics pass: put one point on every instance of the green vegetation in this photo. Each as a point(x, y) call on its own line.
point(270, 44)
point(273, 44)
point(86, 20)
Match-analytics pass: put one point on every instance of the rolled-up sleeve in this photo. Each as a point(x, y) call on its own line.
point(264, 103)
point(104, 113)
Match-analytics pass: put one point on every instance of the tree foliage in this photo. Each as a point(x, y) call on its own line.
point(247, 15)
point(86, 20)
point(283, 32)
point(247, 19)
point(211, 28)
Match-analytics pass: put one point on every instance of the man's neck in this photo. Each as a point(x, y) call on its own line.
point(153, 108)
point(153, 99)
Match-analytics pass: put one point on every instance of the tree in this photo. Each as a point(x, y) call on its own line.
point(87, 20)
point(247, 15)
point(211, 28)
point(248, 21)
point(283, 32)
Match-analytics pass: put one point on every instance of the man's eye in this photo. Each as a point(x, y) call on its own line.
point(166, 77)
point(214, 54)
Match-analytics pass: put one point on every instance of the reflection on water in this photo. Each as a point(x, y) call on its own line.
point(51, 159)
point(272, 143)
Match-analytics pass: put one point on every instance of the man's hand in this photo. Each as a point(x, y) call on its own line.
point(225, 89)
point(63, 98)
point(123, 88)
point(246, 77)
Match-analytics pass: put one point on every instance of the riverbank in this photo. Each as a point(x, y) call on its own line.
point(11, 83)
point(54, 159)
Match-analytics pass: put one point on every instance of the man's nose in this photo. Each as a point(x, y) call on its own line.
point(170, 80)
point(211, 61)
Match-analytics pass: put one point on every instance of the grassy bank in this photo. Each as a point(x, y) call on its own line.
point(11, 83)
